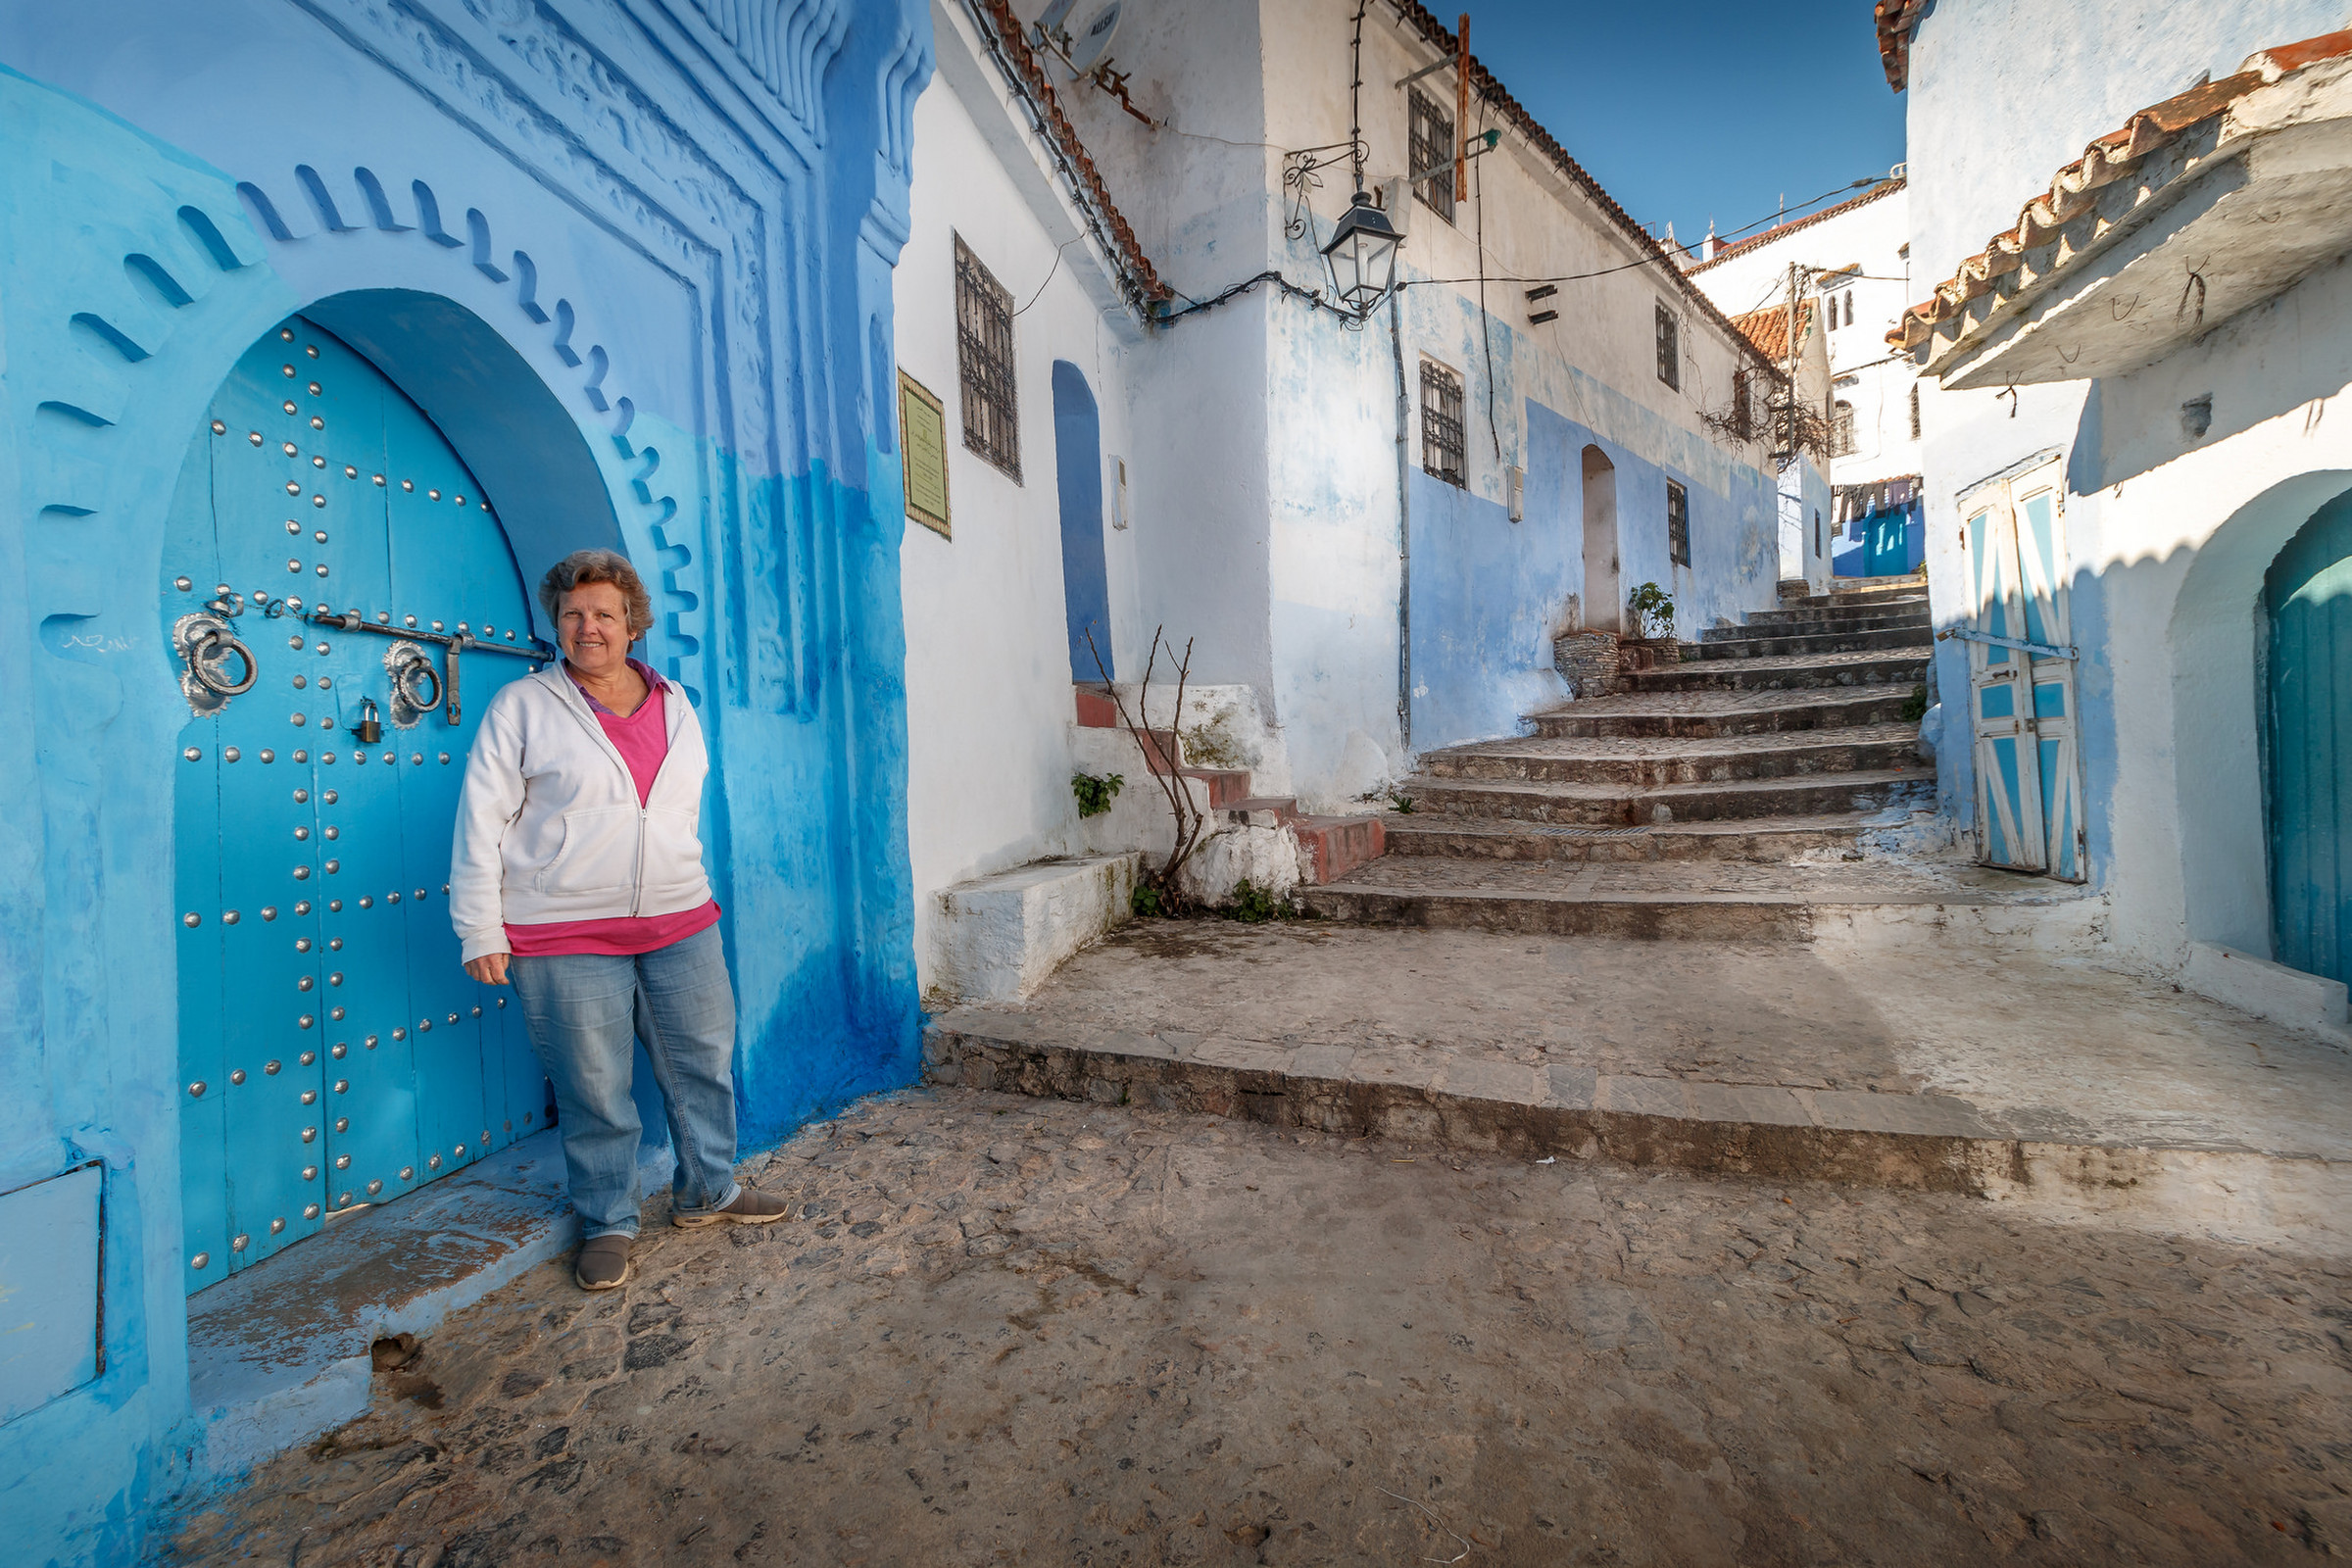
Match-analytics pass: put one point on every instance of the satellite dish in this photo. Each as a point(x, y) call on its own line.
point(1091, 46)
point(1051, 22)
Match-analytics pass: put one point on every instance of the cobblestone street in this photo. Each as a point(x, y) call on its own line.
point(1035, 1331)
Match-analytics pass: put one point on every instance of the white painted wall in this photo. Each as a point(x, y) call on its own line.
point(1278, 427)
point(1866, 247)
point(2168, 535)
point(988, 673)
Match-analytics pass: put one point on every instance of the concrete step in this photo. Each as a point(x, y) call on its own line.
point(1833, 618)
point(1660, 900)
point(2144, 1107)
point(1702, 714)
point(1907, 593)
point(1780, 838)
point(1792, 672)
point(1793, 590)
point(1772, 644)
point(1619, 805)
point(1657, 762)
point(1335, 846)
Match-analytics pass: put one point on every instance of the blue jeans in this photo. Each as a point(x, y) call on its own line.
point(585, 1012)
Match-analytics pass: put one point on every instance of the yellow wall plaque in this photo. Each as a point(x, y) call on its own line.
point(923, 450)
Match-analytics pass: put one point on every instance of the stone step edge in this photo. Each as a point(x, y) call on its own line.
point(1732, 827)
point(1893, 732)
point(1933, 1142)
point(1672, 899)
point(1554, 789)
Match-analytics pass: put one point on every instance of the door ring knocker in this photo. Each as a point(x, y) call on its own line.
point(412, 670)
point(206, 642)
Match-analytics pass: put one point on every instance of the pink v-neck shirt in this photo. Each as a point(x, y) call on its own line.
point(642, 740)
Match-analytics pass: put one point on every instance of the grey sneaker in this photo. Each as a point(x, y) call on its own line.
point(603, 1263)
point(748, 1209)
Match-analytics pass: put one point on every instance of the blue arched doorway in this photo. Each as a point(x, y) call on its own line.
point(2307, 714)
point(1078, 477)
point(340, 602)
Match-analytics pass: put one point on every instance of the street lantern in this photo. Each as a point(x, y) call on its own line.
point(1362, 255)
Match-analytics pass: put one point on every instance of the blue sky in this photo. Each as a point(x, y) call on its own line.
point(1701, 108)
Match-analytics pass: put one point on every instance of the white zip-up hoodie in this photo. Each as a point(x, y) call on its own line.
point(549, 827)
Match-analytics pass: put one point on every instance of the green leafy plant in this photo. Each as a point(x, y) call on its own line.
point(1654, 609)
point(1095, 794)
point(1254, 905)
point(1145, 901)
point(1400, 803)
point(1915, 706)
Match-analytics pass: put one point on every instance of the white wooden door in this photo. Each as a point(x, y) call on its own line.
point(2022, 700)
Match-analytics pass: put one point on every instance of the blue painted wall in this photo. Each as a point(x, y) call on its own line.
point(641, 281)
point(1885, 544)
point(1488, 594)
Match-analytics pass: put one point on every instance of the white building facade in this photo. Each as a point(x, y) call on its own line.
point(2134, 477)
point(1853, 260)
point(1369, 530)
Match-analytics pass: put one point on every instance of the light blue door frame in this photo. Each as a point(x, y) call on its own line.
point(2308, 717)
point(333, 1053)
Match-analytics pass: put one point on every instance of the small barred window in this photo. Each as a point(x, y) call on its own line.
point(1432, 145)
point(1678, 524)
point(1669, 349)
point(1442, 424)
point(1841, 429)
point(1915, 411)
point(992, 423)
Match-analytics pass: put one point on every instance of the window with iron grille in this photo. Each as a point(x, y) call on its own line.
point(1841, 429)
point(1669, 349)
point(1431, 145)
point(984, 355)
point(1678, 524)
point(1743, 405)
point(1442, 424)
point(1915, 411)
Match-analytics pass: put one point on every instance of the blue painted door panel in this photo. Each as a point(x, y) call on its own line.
point(2308, 712)
point(334, 1052)
point(1078, 478)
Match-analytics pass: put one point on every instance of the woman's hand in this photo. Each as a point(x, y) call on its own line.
point(490, 968)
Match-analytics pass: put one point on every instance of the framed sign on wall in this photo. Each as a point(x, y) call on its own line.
point(923, 445)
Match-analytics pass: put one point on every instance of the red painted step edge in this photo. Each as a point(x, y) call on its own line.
point(1338, 845)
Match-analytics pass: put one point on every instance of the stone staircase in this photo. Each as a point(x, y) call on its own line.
point(1333, 846)
point(1722, 796)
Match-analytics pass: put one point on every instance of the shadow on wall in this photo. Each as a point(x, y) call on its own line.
point(2206, 707)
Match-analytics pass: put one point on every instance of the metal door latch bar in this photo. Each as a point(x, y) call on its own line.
point(2042, 649)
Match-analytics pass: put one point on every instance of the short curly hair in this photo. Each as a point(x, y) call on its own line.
point(584, 567)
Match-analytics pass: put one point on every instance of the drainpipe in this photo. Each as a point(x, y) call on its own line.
point(1405, 540)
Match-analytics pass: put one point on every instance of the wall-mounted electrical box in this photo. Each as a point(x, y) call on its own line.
point(1514, 488)
point(1118, 493)
point(49, 1281)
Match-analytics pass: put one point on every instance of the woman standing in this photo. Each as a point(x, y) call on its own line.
point(578, 878)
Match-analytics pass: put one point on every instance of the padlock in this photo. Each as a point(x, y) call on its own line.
point(369, 728)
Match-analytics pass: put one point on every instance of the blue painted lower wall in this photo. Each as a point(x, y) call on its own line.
point(661, 341)
point(1489, 594)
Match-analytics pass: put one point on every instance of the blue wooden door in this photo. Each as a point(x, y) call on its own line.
point(1078, 487)
point(334, 1052)
point(2308, 712)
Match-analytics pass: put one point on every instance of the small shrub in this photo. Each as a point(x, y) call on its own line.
point(1095, 795)
point(1402, 802)
point(1915, 706)
point(1145, 901)
point(1654, 609)
point(1254, 905)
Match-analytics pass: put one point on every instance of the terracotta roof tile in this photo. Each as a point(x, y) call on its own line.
point(1896, 20)
point(1768, 328)
point(2107, 159)
point(1139, 279)
point(1885, 187)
